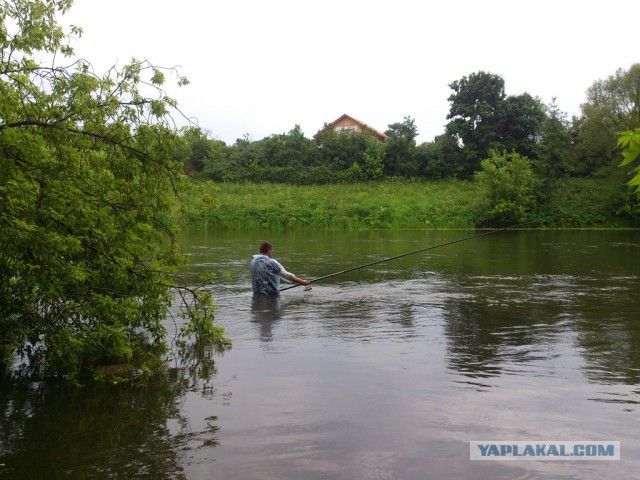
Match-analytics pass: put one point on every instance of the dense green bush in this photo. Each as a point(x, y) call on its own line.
point(507, 185)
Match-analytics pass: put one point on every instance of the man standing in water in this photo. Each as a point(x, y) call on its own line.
point(266, 272)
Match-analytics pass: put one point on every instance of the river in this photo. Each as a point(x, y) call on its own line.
point(388, 372)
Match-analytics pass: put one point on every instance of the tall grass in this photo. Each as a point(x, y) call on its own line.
point(389, 204)
point(383, 205)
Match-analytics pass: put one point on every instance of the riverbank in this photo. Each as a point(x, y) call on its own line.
point(576, 203)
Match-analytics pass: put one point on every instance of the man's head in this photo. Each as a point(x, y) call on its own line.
point(265, 248)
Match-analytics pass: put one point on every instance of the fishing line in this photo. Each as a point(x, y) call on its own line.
point(413, 253)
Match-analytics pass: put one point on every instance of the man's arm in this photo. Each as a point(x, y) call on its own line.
point(299, 280)
point(292, 278)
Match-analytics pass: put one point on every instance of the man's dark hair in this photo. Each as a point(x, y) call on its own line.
point(265, 247)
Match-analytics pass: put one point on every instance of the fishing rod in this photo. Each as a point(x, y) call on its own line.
point(359, 267)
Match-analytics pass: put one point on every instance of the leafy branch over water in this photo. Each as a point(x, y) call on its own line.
point(88, 259)
point(629, 141)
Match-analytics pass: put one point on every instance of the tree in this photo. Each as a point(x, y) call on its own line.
point(195, 149)
point(400, 156)
point(285, 158)
point(555, 149)
point(436, 158)
point(475, 116)
point(521, 123)
point(612, 106)
point(618, 97)
point(351, 155)
point(87, 257)
point(373, 158)
point(483, 118)
point(216, 159)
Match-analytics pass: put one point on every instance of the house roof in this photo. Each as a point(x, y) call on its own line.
point(344, 116)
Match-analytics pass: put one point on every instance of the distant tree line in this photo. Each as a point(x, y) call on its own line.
point(482, 119)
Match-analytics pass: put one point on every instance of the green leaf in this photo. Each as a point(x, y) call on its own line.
point(628, 157)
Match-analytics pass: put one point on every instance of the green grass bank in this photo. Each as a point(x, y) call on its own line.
point(451, 204)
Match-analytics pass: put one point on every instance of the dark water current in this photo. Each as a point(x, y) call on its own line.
point(383, 373)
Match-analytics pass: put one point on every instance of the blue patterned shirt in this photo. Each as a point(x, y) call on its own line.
point(265, 275)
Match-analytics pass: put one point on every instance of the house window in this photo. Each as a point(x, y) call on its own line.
point(347, 128)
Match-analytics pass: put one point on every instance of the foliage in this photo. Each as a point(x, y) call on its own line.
point(483, 118)
point(629, 141)
point(554, 151)
point(401, 155)
point(612, 106)
point(87, 257)
point(436, 159)
point(195, 150)
point(522, 119)
point(475, 116)
point(508, 185)
point(618, 97)
point(593, 202)
point(294, 159)
point(369, 164)
point(285, 158)
point(360, 155)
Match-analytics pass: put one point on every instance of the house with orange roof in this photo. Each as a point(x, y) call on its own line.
point(346, 123)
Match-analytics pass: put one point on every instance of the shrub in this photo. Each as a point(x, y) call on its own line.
point(508, 188)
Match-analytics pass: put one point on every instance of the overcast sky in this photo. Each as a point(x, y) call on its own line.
point(259, 67)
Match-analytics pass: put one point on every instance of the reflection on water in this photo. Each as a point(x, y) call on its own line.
point(388, 372)
point(265, 313)
point(56, 432)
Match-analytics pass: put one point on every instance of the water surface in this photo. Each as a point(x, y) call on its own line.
point(386, 372)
